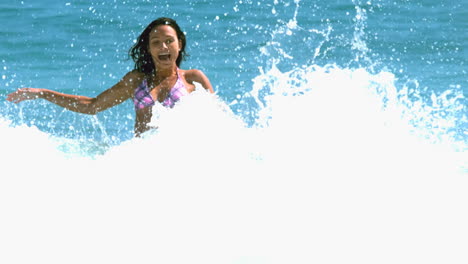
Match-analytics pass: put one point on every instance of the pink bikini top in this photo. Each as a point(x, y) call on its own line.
point(142, 97)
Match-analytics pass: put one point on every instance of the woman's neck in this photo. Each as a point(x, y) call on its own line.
point(160, 75)
point(165, 73)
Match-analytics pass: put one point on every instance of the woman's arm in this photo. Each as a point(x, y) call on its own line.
point(82, 104)
point(199, 77)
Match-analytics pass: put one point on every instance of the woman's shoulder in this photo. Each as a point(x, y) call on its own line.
point(133, 77)
point(192, 74)
point(135, 74)
point(195, 75)
point(191, 71)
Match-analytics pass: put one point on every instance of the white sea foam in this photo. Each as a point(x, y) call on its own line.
point(332, 172)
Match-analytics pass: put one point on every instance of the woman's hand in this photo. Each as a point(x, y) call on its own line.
point(24, 94)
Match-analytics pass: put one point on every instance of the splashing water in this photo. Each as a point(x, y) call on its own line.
point(328, 173)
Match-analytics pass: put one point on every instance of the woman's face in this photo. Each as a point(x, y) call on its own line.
point(164, 46)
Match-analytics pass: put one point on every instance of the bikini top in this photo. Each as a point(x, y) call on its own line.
point(142, 97)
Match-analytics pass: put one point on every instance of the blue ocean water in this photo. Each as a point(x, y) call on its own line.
point(81, 48)
point(337, 132)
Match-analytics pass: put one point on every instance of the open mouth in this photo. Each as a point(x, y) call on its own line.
point(164, 56)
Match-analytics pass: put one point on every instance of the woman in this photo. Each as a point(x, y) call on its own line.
point(156, 78)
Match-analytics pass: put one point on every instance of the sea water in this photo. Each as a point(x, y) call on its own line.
point(337, 133)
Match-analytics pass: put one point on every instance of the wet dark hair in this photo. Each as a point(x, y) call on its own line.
point(140, 51)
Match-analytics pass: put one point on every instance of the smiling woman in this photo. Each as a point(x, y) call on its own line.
point(156, 77)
